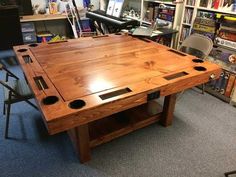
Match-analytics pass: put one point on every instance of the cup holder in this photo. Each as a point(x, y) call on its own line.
point(33, 45)
point(200, 68)
point(197, 60)
point(50, 100)
point(22, 50)
point(77, 104)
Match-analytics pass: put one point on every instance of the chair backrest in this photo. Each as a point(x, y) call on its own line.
point(4, 83)
point(198, 42)
point(8, 73)
point(14, 92)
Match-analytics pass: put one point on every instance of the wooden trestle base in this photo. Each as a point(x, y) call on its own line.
point(87, 136)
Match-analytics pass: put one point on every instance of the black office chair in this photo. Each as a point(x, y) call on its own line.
point(15, 90)
point(199, 46)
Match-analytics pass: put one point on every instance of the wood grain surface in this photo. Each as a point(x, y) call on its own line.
point(87, 68)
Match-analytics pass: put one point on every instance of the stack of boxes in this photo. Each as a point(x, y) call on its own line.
point(28, 32)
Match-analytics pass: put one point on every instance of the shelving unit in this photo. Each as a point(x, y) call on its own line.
point(194, 5)
point(189, 6)
point(231, 70)
point(143, 4)
point(185, 25)
point(132, 9)
point(221, 55)
point(186, 28)
point(176, 21)
point(216, 10)
point(178, 10)
point(224, 87)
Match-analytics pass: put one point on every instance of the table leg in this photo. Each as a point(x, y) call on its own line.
point(80, 139)
point(168, 110)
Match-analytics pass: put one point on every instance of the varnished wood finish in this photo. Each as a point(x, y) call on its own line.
point(168, 110)
point(123, 123)
point(87, 68)
point(80, 139)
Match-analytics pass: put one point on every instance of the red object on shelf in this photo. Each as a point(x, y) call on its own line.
point(215, 4)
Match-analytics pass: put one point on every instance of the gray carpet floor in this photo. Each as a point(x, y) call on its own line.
point(200, 143)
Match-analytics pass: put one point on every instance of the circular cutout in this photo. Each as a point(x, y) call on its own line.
point(200, 68)
point(77, 104)
point(33, 45)
point(50, 100)
point(197, 60)
point(22, 50)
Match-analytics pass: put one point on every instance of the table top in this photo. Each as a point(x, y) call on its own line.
point(90, 78)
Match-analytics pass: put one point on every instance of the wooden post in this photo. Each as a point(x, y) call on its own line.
point(168, 110)
point(83, 143)
point(80, 139)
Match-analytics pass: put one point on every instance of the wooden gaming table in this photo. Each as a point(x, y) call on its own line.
point(101, 88)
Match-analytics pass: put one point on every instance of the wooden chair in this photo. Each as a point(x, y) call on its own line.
point(199, 46)
point(15, 90)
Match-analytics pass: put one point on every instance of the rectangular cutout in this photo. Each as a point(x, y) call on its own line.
point(41, 84)
point(27, 59)
point(115, 93)
point(177, 52)
point(176, 75)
